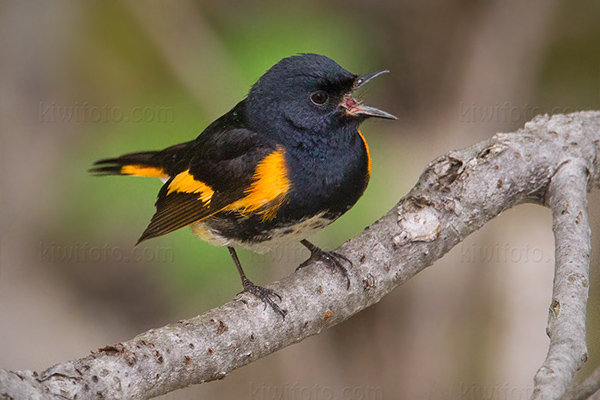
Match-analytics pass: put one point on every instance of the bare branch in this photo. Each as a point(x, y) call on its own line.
point(566, 317)
point(544, 163)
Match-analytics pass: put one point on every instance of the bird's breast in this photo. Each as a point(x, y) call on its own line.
point(328, 178)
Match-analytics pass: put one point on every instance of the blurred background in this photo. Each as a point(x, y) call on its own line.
point(87, 80)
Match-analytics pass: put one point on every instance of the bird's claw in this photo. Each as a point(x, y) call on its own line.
point(331, 259)
point(266, 295)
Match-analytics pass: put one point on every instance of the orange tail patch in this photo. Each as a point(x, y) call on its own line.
point(143, 170)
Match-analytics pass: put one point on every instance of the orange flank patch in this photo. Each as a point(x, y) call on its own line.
point(268, 189)
point(143, 170)
point(185, 182)
point(368, 154)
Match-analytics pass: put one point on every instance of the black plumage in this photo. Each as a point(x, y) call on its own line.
point(284, 162)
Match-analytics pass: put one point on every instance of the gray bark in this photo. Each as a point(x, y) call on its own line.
point(552, 162)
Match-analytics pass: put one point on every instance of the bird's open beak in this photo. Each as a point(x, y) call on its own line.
point(353, 107)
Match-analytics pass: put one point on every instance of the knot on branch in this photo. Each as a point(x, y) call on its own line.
point(418, 221)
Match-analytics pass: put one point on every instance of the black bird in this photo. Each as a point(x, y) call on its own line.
point(285, 162)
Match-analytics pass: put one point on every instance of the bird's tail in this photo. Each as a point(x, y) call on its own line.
point(155, 164)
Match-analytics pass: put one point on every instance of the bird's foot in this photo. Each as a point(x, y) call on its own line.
point(331, 259)
point(266, 295)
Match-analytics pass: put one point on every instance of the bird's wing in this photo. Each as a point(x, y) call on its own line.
point(231, 171)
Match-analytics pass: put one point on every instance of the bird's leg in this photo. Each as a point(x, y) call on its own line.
point(265, 294)
point(332, 259)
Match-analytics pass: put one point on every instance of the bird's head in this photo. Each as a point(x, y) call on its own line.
point(310, 92)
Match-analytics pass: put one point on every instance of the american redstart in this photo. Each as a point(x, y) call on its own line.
point(285, 162)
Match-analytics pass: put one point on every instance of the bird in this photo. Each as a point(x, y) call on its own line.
point(283, 163)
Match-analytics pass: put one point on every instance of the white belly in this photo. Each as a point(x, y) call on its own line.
point(278, 237)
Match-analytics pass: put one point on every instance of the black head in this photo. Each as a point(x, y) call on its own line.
point(309, 92)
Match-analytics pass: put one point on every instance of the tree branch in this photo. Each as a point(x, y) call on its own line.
point(566, 317)
point(548, 162)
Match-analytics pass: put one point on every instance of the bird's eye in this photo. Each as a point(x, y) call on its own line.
point(319, 97)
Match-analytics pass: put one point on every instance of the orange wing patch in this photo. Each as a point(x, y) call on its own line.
point(268, 189)
point(185, 182)
point(143, 170)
